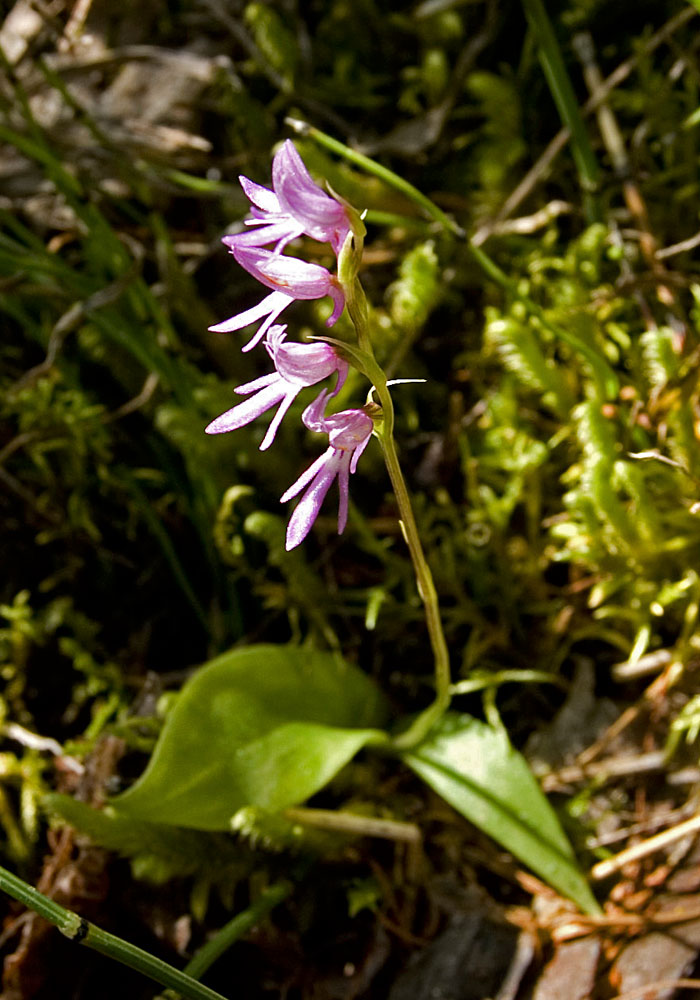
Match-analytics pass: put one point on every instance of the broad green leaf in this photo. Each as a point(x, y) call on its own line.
point(475, 768)
point(264, 726)
point(157, 852)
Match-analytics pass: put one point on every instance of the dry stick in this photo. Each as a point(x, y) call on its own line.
point(75, 24)
point(637, 851)
point(537, 171)
point(650, 663)
point(656, 689)
point(607, 769)
point(683, 247)
point(615, 145)
point(354, 824)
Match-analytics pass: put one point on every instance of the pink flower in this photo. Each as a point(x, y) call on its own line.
point(289, 278)
point(297, 206)
point(348, 434)
point(297, 366)
point(324, 218)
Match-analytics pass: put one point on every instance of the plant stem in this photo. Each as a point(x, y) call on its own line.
point(236, 928)
point(426, 588)
point(81, 931)
point(357, 308)
point(602, 371)
point(372, 167)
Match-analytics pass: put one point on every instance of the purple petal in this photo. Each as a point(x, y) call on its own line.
point(271, 306)
point(297, 278)
point(249, 316)
point(348, 429)
point(306, 511)
point(307, 476)
point(280, 233)
point(276, 336)
point(343, 369)
point(344, 487)
point(323, 217)
point(305, 364)
point(313, 416)
point(260, 196)
point(358, 451)
point(256, 384)
point(277, 419)
point(248, 410)
point(338, 296)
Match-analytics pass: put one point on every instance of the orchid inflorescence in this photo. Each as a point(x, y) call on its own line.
point(295, 207)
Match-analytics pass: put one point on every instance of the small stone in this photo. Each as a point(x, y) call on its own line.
point(571, 972)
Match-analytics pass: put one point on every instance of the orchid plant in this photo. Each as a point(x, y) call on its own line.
point(297, 206)
point(455, 754)
point(259, 730)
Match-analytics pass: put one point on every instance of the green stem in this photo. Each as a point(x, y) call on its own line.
point(357, 308)
point(236, 928)
point(81, 931)
point(372, 167)
point(602, 372)
point(426, 587)
point(348, 264)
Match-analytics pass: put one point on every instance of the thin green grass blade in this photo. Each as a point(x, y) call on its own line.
point(565, 100)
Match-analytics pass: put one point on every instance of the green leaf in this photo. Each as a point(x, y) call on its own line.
point(475, 768)
point(157, 853)
point(264, 726)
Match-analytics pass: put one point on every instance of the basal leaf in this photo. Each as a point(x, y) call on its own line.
point(157, 852)
point(475, 768)
point(264, 726)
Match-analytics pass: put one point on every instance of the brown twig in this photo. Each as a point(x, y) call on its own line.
point(604, 868)
point(655, 690)
point(615, 145)
point(557, 144)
